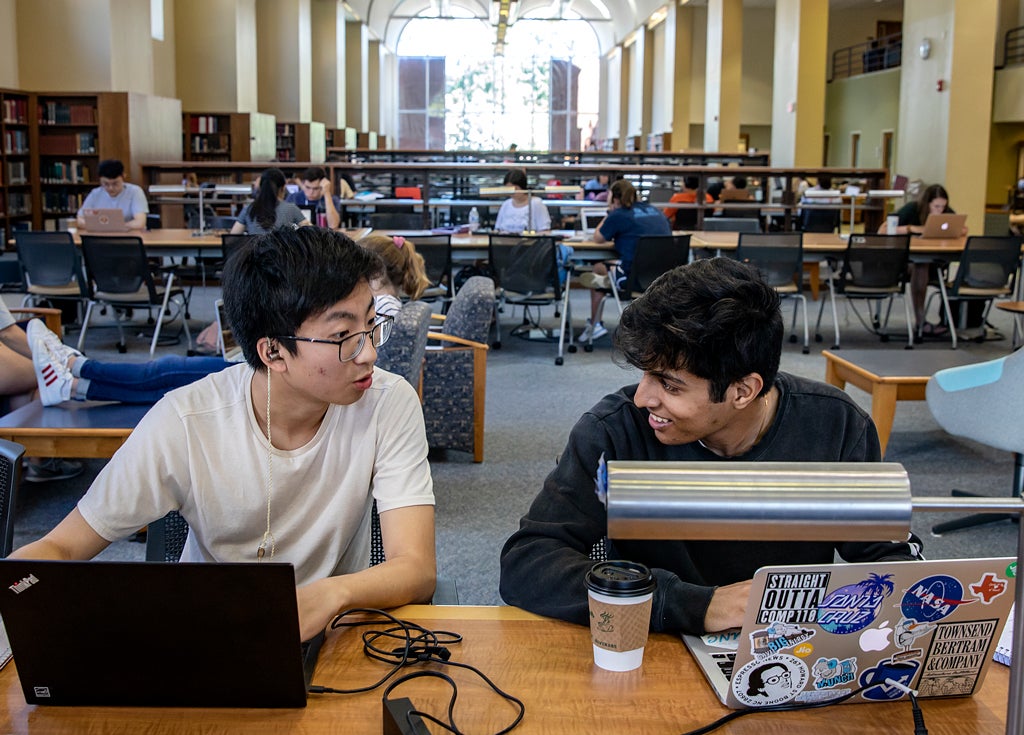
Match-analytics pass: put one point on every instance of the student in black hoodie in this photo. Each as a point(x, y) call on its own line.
point(708, 339)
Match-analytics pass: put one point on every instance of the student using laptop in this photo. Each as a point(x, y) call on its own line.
point(280, 458)
point(912, 218)
point(115, 193)
point(708, 339)
point(316, 196)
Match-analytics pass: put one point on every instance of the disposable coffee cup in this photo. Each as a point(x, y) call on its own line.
point(891, 223)
point(621, 593)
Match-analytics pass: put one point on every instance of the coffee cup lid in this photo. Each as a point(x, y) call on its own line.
point(620, 578)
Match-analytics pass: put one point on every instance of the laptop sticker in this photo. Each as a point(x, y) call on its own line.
point(933, 598)
point(955, 657)
point(830, 673)
point(855, 606)
point(768, 681)
point(727, 639)
point(792, 597)
point(898, 667)
point(777, 637)
point(907, 631)
point(988, 588)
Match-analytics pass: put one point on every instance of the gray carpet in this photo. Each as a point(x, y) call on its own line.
point(531, 406)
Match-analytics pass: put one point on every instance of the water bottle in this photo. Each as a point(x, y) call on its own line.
point(474, 220)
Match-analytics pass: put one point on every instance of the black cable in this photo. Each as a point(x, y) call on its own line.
point(919, 728)
point(775, 708)
point(417, 645)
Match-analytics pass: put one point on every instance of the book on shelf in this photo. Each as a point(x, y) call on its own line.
point(15, 142)
point(1004, 648)
point(16, 111)
point(63, 113)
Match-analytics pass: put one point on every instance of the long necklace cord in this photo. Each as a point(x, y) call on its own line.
point(268, 535)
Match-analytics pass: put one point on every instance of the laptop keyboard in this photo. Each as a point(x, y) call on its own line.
point(725, 662)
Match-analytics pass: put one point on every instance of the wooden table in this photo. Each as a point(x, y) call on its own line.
point(889, 376)
point(75, 429)
point(546, 663)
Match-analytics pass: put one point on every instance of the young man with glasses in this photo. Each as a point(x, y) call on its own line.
point(315, 195)
point(115, 193)
point(281, 458)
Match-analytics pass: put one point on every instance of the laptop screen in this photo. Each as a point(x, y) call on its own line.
point(591, 218)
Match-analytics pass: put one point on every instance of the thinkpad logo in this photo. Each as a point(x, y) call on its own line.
point(26, 582)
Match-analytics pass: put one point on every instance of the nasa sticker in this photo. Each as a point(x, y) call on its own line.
point(933, 598)
point(854, 607)
point(770, 680)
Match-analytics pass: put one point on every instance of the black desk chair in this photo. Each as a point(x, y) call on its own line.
point(779, 258)
point(51, 268)
point(10, 477)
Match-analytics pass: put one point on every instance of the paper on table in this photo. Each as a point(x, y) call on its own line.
point(5, 646)
point(1004, 648)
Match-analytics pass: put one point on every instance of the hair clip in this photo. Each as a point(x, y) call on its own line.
point(398, 240)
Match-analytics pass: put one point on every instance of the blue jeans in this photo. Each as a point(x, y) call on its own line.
point(143, 383)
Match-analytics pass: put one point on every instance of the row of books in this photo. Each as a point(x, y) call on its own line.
point(285, 129)
point(16, 173)
point(18, 204)
point(15, 111)
point(60, 201)
point(64, 172)
point(285, 154)
point(15, 141)
point(204, 124)
point(218, 144)
point(63, 113)
point(70, 143)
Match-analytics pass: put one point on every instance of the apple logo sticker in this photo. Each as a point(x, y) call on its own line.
point(875, 639)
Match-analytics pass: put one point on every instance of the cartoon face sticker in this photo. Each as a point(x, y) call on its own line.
point(769, 681)
point(933, 598)
point(854, 607)
point(833, 672)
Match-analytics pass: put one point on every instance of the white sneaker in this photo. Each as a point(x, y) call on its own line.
point(39, 337)
point(599, 331)
point(585, 334)
point(52, 375)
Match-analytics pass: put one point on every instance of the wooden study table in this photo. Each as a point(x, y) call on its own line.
point(72, 429)
point(546, 663)
point(889, 376)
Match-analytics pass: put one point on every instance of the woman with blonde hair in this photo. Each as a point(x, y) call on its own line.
point(404, 272)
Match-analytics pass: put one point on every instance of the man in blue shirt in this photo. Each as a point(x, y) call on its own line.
point(315, 195)
point(114, 193)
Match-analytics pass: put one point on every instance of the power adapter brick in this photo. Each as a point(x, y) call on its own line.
point(397, 720)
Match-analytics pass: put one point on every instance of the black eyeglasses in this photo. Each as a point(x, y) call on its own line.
point(352, 345)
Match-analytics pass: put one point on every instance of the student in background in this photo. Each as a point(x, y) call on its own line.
point(626, 221)
point(911, 218)
point(521, 212)
point(269, 211)
point(281, 458)
point(404, 272)
point(687, 196)
point(15, 385)
point(596, 189)
point(315, 195)
point(115, 193)
point(707, 338)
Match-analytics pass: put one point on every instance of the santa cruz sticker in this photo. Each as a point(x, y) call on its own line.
point(933, 598)
point(769, 681)
point(855, 606)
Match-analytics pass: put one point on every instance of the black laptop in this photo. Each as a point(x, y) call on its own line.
point(156, 635)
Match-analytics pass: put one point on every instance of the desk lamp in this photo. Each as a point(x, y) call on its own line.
point(774, 501)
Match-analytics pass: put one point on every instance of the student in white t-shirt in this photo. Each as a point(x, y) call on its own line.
point(115, 193)
point(521, 212)
point(281, 458)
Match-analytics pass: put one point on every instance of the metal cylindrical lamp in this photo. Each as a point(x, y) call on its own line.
point(775, 501)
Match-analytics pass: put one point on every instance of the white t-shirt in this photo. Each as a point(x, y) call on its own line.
point(131, 201)
point(199, 450)
point(516, 219)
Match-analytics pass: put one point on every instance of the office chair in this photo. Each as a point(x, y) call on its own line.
point(982, 402)
point(779, 259)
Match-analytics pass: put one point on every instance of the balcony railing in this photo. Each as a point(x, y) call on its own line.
point(881, 53)
point(1013, 50)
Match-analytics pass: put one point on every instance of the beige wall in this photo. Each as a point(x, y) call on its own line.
point(1004, 144)
point(164, 76)
point(245, 56)
point(356, 97)
point(64, 45)
point(283, 59)
point(1008, 96)
point(131, 47)
point(868, 104)
point(8, 45)
point(206, 69)
point(798, 100)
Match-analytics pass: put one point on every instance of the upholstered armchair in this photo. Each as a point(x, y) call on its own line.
point(403, 353)
point(455, 371)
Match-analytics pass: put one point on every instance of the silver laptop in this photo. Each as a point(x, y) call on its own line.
point(814, 633)
point(104, 220)
point(156, 635)
point(944, 225)
point(590, 218)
